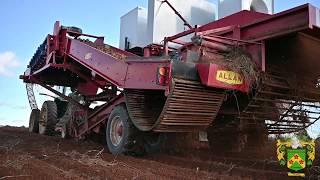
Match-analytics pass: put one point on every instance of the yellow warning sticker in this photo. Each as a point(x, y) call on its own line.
point(229, 77)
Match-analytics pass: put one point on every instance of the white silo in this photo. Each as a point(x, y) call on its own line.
point(228, 7)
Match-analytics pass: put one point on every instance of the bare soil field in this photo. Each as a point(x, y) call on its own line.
point(24, 155)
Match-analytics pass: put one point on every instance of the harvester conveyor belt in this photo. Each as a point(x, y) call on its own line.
point(189, 107)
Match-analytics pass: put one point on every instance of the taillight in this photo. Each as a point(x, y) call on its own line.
point(162, 76)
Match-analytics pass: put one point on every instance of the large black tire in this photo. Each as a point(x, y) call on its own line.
point(48, 118)
point(34, 121)
point(128, 141)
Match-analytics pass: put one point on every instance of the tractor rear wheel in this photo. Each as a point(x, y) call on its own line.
point(48, 118)
point(34, 121)
point(121, 135)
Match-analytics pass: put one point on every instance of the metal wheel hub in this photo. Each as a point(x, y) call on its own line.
point(116, 131)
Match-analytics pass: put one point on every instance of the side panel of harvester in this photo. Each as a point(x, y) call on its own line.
point(124, 72)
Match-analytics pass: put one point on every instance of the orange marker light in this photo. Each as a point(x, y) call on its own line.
point(163, 71)
point(162, 76)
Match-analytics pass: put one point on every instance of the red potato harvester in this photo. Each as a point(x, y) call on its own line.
point(238, 79)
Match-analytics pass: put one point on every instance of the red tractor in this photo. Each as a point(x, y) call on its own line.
point(238, 79)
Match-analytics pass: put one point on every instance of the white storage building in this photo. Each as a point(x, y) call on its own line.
point(228, 7)
point(141, 27)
